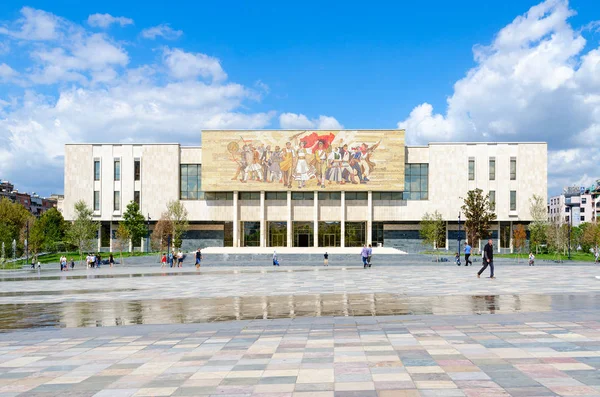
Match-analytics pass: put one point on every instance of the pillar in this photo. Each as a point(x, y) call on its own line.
point(342, 219)
point(447, 239)
point(263, 234)
point(99, 236)
point(236, 221)
point(370, 217)
point(511, 238)
point(497, 242)
point(316, 220)
point(110, 232)
point(289, 218)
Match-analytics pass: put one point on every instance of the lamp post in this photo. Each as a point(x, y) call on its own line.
point(459, 235)
point(148, 235)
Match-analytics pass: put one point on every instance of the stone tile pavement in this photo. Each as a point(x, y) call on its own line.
point(539, 354)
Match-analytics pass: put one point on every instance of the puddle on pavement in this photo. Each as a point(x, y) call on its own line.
point(64, 292)
point(203, 310)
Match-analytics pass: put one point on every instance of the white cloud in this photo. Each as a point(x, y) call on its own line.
point(533, 82)
point(295, 121)
point(91, 94)
point(186, 65)
point(34, 25)
point(105, 20)
point(164, 31)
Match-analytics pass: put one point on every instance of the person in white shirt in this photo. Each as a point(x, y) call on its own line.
point(531, 259)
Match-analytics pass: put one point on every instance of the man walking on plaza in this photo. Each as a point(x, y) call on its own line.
point(467, 254)
point(198, 258)
point(364, 255)
point(488, 259)
point(370, 252)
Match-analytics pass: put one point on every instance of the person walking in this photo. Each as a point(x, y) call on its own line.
point(171, 258)
point(275, 260)
point(467, 254)
point(326, 259)
point(179, 258)
point(198, 258)
point(72, 264)
point(531, 259)
point(364, 254)
point(111, 260)
point(488, 259)
point(596, 255)
point(163, 260)
point(370, 252)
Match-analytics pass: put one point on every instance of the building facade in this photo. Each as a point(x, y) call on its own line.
point(575, 208)
point(32, 202)
point(235, 196)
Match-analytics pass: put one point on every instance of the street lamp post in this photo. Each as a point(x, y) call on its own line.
point(459, 235)
point(148, 235)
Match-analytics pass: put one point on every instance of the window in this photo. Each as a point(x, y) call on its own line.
point(249, 196)
point(387, 195)
point(117, 170)
point(117, 201)
point(330, 196)
point(513, 168)
point(416, 182)
point(96, 170)
point(583, 200)
point(505, 236)
point(96, 200)
point(137, 169)
point(219, 196)
point(567, 219)
point(581, 209)
point(276, 196)
point(303, 196)
point(567, 209)
point(492, 196)
point(582, 218)
point(513, 200)
point(492, 168)
point(190, 186)
point(136, 197)
point(353, 196)
point(471, 169)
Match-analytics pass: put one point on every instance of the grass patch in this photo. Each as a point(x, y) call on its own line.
point(55, 257)
point(575, 256)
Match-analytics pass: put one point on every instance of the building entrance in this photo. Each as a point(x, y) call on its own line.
point(250, 234)
point(329, 234)
point(303, 234)
point(277, 234)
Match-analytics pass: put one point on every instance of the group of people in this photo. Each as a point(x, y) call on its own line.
point(366, 254)
point(173, 259)
point(95, 260)
point(302, 160)
point(63, 263)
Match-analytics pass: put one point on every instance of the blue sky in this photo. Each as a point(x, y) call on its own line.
point(364, 65)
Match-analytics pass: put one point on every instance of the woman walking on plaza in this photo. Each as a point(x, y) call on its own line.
point(163, 261)
point(111, 260)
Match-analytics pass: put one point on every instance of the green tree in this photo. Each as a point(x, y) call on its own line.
point(591, 236)
point(83, 229)
point(121, 242)
point(177, 214)
point(134, 222)
point(48, 232)
point(479, 215)
point(13, 218)
point(433, 230)
point(539, 222)
point(36, 235)
point(519, 239)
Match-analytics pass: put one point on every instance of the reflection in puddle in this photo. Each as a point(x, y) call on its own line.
point(201, 310)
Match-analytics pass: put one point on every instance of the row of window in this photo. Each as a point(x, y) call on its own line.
point(116, 200)
point(333, 196)
point(492, 168)
point(513, 200)
point(137, 167)
point(567, 209)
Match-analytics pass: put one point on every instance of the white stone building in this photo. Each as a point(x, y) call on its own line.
point(436, 177)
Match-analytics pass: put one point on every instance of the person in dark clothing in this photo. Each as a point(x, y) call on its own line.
point(488, 259)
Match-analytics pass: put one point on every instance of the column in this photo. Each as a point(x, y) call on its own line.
point(99, 236)
point(110, 232)
point(447, 239)
point(289, 218)
point(343, 219)
point(316, 220)
point(370, 217)
point(263, 233)
point(511, 238)
point(497, 242)
point(236, 221)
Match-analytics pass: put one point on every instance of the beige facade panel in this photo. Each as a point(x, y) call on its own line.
point(303, 160)
point(303, 210)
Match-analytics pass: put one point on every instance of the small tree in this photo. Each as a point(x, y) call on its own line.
point(558, 237)
point(433, 231)
point(83, 229)
point(162, 232)
point(177, 214)
point(539, 224)
point(36, 235)
point(122, 240)
point(519, 239)
point(479, 215)
point(133, 221)
point(591, 236)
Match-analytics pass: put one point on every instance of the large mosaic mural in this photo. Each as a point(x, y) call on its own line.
point(271, 160)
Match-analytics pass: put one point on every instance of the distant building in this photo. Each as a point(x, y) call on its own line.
point(32, 202)
point(575, 208)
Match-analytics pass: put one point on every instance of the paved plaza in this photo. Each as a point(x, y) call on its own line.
point(299, 331)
